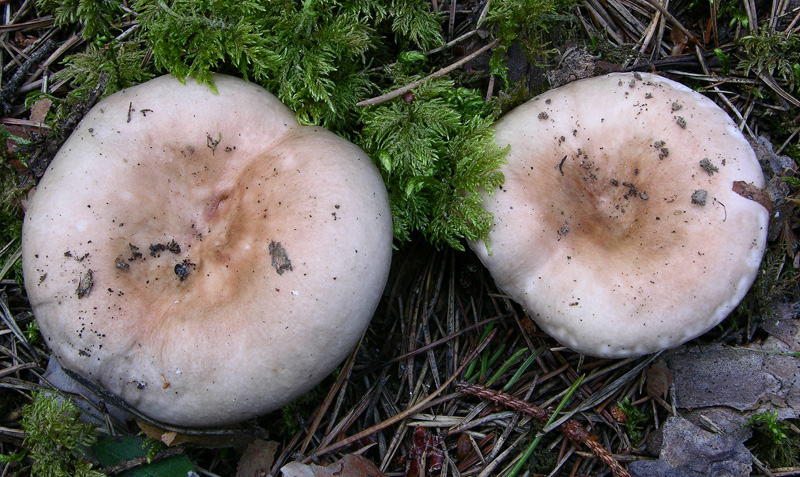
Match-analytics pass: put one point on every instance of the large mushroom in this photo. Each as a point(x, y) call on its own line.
point(203, 256)
point(626, 223)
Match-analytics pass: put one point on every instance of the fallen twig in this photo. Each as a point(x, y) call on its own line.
point(447, 69)
point(10, 88)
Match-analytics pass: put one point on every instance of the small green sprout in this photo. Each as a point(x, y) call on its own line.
point(32, 332)
point(634, 419)
point(770, 425)
point(774, 442)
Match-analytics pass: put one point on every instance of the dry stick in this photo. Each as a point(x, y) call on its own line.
point(672, 19)
point(793, 23)
point(778, 8)
point(662, 26)
point(452, 19)
point(490, 88)
point(600, 16)
point(788, 140)
point(752, 18)
point(17, 367)
point(449, 43)
point(721, 95)
point(571, 429)
point(36, 24)
point(644, 42)
point(8, 319)
point(769, 81)
point(71, 41)
point(10, 433)
point(355, 412)
point(401, 91)
point(412, 410)
point(440, 341)
point(10, 88)
point(140, 461)
point(452, 351)
point(432, 296)
point(343, 375)
point(484, 12)
point(435, 50)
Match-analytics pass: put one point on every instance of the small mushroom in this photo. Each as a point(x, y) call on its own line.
point(269, 247)
point(632, 276)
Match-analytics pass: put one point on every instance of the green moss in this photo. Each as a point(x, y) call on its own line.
point(635, 420)
point(11, 194)
point(773, 442)
point(774, 54)
point(55, 438)
point(117, 65)
point(97, 17)
point(436, 153)
point(542, 459)
point(530, 23)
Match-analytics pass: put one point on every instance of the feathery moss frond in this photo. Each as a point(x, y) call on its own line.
point(773, 53)
point(54, 436)
point(323, 48)
point(119, 64)
point(304, 52)
point(96, 16)
point(436, 152)
point(195, 38)
point(414, 21)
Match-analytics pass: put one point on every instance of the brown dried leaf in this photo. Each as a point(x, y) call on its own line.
point(257, 459)
point(750, 191)
point(464, 447)
point(618, 414)
point(40, 109)
point(351, 465)
point(679, 41)
point(658, 380)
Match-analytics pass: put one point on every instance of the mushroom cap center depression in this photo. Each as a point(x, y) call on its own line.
point(212, 229)
point(612, 199)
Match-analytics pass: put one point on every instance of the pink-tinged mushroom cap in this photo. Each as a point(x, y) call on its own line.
point(619, 227)
point(203, 256)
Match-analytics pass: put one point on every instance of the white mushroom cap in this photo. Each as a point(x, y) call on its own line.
point(203, 256)
point(595, 231)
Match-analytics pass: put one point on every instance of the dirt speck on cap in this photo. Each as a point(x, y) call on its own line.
point(280, 259)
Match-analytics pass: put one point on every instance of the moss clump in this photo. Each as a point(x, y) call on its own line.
point(55, 438)
point(773, 441)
